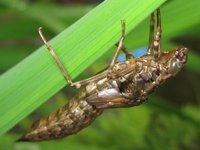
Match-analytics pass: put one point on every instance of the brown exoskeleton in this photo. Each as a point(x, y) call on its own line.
point(123, 84)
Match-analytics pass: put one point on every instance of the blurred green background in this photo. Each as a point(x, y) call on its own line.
point(169, 120)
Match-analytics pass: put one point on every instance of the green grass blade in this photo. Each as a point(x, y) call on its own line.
point(30, 83)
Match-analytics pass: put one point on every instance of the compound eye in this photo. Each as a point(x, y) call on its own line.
point(174, 66)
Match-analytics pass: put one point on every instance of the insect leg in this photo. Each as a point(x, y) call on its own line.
point(120, 46)
point(123, 48)
point(58, 62)
point(157, 40)
point(151, 34)
point(77, 84)
point(123, 35)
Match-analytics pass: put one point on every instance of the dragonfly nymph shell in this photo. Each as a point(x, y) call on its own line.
point(122, 84)
point(127, 85)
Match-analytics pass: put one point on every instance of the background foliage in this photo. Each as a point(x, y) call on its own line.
point(169, 120)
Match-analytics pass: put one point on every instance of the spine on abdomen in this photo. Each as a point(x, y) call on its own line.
point(69, 119)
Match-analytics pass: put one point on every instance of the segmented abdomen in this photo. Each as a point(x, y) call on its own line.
point(67, 120)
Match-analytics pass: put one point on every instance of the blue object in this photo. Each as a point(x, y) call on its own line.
point(136, 53)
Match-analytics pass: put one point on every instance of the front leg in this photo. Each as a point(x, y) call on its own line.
point(119, 48)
